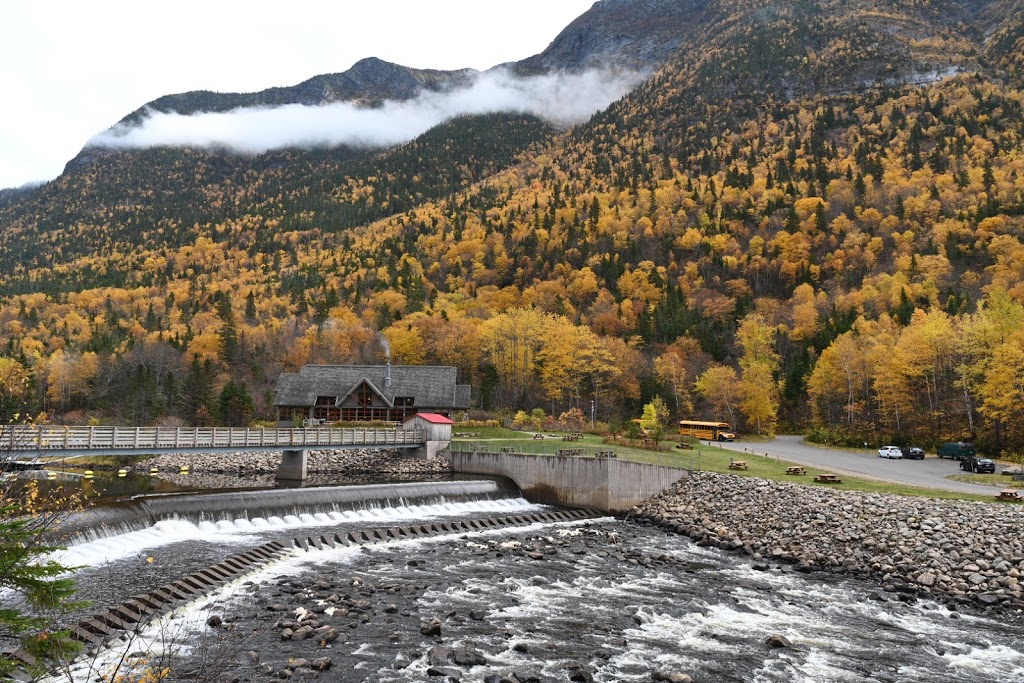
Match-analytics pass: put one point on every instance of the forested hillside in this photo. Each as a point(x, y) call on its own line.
point(812, 214)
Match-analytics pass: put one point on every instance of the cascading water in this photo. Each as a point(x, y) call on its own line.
point(620, 600)
point(151, 540)
point(241, 508)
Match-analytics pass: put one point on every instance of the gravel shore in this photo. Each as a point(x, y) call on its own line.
point(954, 551)
point(362, 461)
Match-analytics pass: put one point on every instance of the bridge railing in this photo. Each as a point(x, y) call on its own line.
point(18, 438)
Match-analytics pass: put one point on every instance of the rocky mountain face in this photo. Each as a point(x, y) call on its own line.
point(635, 35)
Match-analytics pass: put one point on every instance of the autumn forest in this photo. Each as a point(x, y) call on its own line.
point(810, 218)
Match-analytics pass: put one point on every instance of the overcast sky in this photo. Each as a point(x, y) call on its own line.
point(70, 69)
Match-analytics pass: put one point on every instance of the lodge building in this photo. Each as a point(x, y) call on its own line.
point(362, 393)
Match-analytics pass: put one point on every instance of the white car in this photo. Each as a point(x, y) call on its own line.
point(890, 452)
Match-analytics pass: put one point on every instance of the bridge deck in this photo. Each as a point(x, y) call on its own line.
point(59, 440)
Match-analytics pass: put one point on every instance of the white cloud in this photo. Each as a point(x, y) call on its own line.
point(562, 99)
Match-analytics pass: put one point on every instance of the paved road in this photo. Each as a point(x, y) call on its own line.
point(930, 472)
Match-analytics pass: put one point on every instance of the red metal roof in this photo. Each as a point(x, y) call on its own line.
point(433, 418)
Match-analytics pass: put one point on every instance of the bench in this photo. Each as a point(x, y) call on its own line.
point(828, 479)
point(605, 454)
point(506, 449)
point(1009, 494)
point(569, 452)
point(737, 464)
point(796, 470)
point(684, 446)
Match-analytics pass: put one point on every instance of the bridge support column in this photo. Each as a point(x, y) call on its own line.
point(293, 466)
point(429, 449)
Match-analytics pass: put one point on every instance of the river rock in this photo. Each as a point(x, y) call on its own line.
point(908, 544)
point(439, 654)
point(325, 634)
point(777, 641)
point(671, 677)
point(431, 628)
point(580, 673)
point(468, 655)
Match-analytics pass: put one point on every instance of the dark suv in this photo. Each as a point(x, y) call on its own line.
point(978, 465)
point(912, 453)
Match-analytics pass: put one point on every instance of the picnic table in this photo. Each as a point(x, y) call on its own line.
point(538, 436)
point(828, 479)
point(737, 464)
point(570, 452)
point(796, 470)
point(572, 437)
point(684, 446)
point(1009, 494)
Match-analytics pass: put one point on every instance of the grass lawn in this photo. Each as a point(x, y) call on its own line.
point(701, 458)
point(995, 480)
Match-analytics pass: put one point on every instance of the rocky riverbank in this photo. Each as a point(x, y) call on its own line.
point(954, 551)
point(388, 616)
point(363, 461)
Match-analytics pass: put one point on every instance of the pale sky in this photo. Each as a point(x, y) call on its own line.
point(70, 69)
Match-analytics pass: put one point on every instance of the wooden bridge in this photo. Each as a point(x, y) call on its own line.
point(58, 441)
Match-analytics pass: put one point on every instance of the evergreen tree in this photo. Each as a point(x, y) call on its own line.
point(235, 405)
point(250, 308)
point(197, 390)
point(228, 331)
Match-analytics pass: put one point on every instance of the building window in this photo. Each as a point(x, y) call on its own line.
point(326, 400)
point(402, 401)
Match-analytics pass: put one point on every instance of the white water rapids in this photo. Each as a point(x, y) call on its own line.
point(706, 613)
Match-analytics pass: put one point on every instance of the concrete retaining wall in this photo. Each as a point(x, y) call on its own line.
point(604, 484)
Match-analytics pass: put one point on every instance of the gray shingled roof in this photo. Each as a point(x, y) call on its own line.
point(432, 386)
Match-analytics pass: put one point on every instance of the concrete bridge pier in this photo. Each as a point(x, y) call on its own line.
point(293, 466)
point(429, 450)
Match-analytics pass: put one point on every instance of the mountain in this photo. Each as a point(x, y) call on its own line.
point(814, 207)
point(622, 34)
point(637, 35)
point(368, 82)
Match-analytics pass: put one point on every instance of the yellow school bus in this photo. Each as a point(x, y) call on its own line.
point(708, 431)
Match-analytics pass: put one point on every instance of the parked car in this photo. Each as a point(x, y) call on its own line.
point(913, 453)
point(978, 465)
point(890, 452)
point(958, 450)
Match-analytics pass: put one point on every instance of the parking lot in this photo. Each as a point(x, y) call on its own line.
point(930, 472)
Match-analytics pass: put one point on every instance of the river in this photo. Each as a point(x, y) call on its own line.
point(605, 600)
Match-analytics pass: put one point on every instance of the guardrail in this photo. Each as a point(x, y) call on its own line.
point(46, 438)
